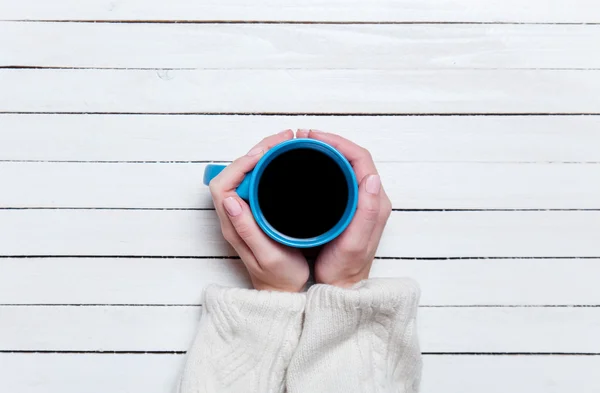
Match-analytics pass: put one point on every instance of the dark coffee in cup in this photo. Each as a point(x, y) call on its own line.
point(302, 193)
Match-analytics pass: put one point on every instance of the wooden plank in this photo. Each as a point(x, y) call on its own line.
point(100, 373)
point(90, 373)
point(300, 91)
point(489, 330)
point(277, 46)
point(537, 330)
point(196, 233)
point(218, 138)
point(515, 282)
point(410, 186)
point(575, 11)
point(501, 374)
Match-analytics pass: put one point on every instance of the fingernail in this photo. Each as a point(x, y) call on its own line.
point(303, 130)
point(232, 206)
point(316, 131)
point(373, 184)
point(284, 131)
point(255, 151)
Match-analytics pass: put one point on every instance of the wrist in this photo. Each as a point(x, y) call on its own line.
point(284, 287)
point(343, 281)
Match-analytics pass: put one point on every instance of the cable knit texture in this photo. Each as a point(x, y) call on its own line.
point(362, 339)
point(245, 341)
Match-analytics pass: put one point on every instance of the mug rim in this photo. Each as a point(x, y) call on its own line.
point(351, 182)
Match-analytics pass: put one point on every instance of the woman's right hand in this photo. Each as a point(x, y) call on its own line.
point(272, 266)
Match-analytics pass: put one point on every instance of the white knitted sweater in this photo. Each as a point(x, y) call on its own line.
point(329, 339)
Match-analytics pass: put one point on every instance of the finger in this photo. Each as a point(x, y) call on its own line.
point(231, 236)
point(356, 238)
point(248, 230)
point(359, 157)
point(275, 139)
point(385, 210)
point(302, 133)
point(241, 248)
point(234, 173)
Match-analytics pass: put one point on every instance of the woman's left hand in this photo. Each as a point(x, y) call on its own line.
point(348, 258)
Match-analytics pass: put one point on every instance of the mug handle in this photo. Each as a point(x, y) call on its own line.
point(212, 170)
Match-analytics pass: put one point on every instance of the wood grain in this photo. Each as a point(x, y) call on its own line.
point(300, 91)
point(467, 282)
point(159, 373)
point(487, 330)
point(541, 139)
point(277, 46)
point(410, 186)
point(196, 233)
point(575, 11)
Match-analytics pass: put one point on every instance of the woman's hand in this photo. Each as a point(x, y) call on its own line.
point(348, 258)
point(272, 266)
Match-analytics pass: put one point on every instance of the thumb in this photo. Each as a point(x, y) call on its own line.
point(241, 217)
point(356, 237)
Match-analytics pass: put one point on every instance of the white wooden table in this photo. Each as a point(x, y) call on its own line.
point(483, 116)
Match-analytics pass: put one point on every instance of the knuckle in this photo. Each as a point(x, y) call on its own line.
point(388, 205)
point(214, 187)
point(244, 230)
point(370, 211)
point(386, 211)
point(269, 262)
point(264, 143)
point(354, 249)
point(229, 235)
point(238, 160)
point(366, 153)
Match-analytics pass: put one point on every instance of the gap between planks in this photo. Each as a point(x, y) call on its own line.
point(292, 22)
point(35, 67)
point(306, 114)
point(69, 352)
point(440, 210)
point(451, 258)
point(199, 305)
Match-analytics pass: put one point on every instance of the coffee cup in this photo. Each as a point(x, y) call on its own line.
point(302, 193)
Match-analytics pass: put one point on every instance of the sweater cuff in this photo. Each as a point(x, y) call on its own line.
point(238, 311)
point(245, 299)
point(377, 295)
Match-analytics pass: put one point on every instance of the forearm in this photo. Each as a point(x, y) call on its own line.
point(244, 343)
point(362, 339)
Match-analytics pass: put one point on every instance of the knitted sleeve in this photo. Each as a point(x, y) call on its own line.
point(362, 339)
point(244, 343)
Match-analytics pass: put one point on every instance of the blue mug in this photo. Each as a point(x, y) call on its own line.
point(250, 188)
